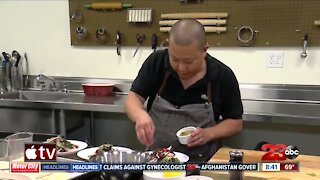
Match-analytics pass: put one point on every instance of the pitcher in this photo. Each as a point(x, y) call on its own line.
point(14, 145)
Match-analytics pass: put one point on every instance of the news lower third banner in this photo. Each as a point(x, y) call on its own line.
point(89, 167)
point(84, 167)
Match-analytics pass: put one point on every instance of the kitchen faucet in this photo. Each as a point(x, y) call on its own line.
point(50, 78)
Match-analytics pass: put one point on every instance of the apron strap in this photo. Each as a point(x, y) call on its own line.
point(166, 75)
point(209, 92)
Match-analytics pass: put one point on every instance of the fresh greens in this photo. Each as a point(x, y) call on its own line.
point(62, 144)
point(165, 155)
point(105, 148)
point(169, 159)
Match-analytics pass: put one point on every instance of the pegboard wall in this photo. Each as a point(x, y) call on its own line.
point(276, 23)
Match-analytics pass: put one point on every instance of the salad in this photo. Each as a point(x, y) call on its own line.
point(105, 148)
point(164, 155)
point(62, 144)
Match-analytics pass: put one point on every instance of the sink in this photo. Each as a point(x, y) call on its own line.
point(36, 95)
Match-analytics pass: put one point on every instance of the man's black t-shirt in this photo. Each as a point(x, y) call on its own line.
point(226, 98)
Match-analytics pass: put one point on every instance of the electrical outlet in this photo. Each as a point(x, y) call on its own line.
point(274, 59)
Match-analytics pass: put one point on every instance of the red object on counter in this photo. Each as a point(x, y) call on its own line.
point(98, 89)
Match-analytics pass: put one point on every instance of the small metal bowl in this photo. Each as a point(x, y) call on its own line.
point(119, 157)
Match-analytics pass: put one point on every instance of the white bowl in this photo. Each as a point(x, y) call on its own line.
point(195, 177)
point(184, 139)
point(158, 175)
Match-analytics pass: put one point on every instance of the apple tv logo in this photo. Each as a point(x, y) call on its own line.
point(31, 153)
point(40, 152)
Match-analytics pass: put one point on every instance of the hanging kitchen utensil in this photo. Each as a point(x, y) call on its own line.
point(118, 42)
point(26, 82)
point(6, 56)
point(165, 44)
point(139, 15)
point(108, 6)
point(17, 57)
point(187, 1)
point(17, 82)
point(206, 28)
point(101, 34)
point(205, 15)
point(245, 36)
point(154, 42)
point(210, 22)
point(140, 38)
point(8, 75)
point(81, 32)
point(305, 43)
point(77, 16)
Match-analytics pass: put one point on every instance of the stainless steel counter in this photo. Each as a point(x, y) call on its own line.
point(271, 112)
point(72, 101)
point(293, 104)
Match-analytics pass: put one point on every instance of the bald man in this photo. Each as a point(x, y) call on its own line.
point(185, 86)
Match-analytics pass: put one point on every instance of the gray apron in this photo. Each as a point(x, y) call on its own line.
point(168, 119)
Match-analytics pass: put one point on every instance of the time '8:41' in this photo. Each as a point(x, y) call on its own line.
point(272, 166)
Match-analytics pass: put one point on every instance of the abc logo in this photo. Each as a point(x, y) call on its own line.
point(292, 152)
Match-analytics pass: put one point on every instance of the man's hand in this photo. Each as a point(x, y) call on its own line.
point(145, 129)
point(137, 113)
point(199, 137)
point(226, 128)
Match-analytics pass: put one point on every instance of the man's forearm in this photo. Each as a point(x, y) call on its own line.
point(226, 128)
point(134, 106)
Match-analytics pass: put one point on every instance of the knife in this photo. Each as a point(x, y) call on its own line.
point(118, 43)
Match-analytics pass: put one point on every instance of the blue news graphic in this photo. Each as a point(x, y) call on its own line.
point(55, 167)
point(73, 167)
point(88, 167)
point(81, 167)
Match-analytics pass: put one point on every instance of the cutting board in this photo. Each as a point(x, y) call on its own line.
point(309, 167)
point(37, 176)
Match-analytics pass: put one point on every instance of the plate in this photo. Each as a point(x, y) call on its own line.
point(87, 153)
point(182, 157)
point(158, 175)
point(194, 177)
point(4, 165)
point(81, 145)
point(7, 175)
